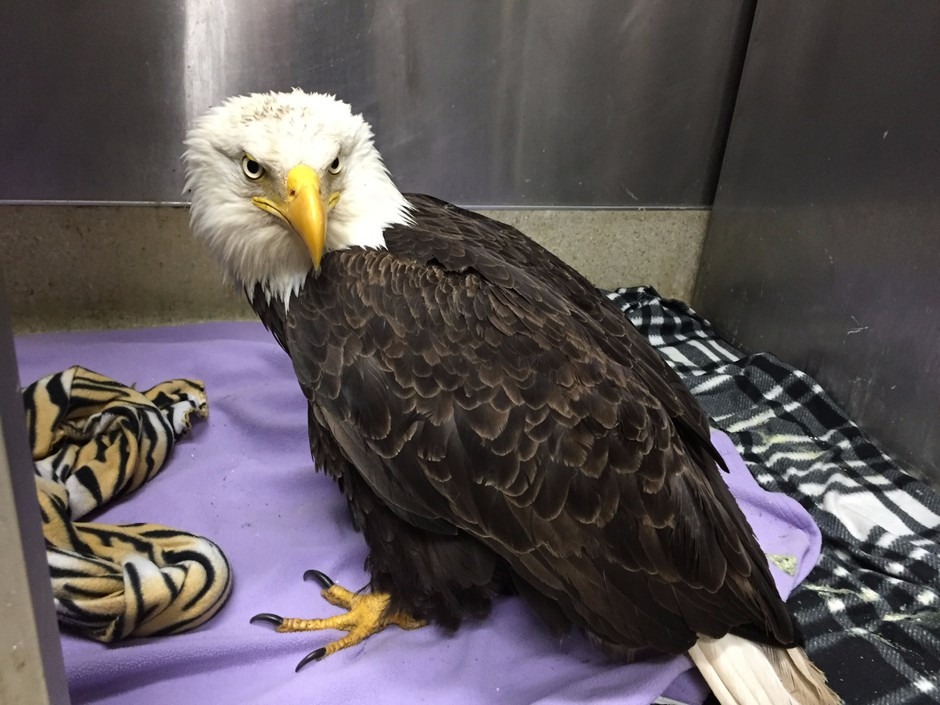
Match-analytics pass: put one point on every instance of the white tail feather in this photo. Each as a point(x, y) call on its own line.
point(742, 672)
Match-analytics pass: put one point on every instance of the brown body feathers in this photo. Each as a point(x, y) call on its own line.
point(496, 423)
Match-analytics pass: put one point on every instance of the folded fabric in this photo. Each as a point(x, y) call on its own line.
point(95, 440)
point(248, 476)
point(869, 613)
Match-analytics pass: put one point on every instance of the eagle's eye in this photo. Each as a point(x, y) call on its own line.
point(252, 169)
point(335, 166)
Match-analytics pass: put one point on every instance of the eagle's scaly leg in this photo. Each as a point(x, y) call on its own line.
point(365, 615)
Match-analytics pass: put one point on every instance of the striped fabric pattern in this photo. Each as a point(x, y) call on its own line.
point(95, 440)
point(870, 611)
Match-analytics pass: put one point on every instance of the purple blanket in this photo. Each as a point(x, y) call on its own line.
point(245, 480)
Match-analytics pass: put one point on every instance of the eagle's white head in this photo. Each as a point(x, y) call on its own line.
point(279, 179)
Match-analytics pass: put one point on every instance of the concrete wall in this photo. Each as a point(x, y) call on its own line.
point(73, 267)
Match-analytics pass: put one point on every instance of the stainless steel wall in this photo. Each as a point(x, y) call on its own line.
point(824, 240)
point(484, 102)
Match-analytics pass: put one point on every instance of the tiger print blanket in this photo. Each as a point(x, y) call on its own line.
point(95, 440)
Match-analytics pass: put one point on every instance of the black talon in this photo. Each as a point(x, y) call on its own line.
point(324, 580)
point(267, 617)
point(314, 655)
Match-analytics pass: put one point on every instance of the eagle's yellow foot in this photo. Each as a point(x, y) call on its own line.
point(364, 617)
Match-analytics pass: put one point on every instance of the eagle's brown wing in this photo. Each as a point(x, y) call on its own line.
point(474, 390)
point(454, 236)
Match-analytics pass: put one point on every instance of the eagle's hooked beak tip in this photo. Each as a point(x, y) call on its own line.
point(303, 209)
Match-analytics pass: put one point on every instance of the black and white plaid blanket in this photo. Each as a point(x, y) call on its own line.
point(870, 611)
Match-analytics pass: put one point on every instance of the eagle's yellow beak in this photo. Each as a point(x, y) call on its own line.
point(303, 209)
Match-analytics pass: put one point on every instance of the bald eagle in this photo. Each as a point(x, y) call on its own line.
point(494, 422)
